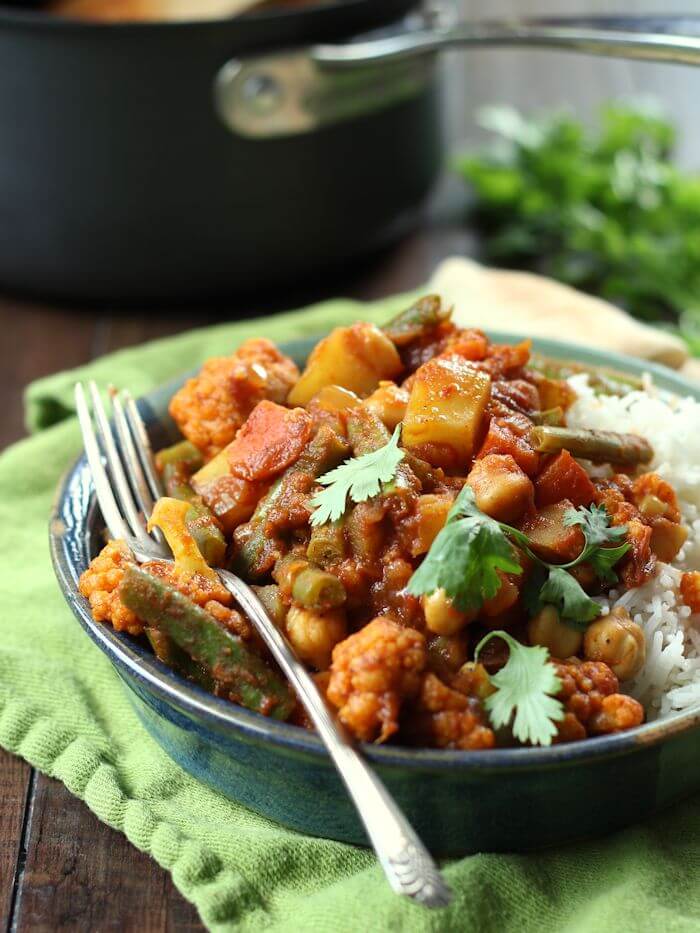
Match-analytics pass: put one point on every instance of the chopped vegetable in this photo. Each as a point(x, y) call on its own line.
point(525, 692)
point(465, 557)
point(224, 655)
point(446, 410)
point(327, 543)
point(170, 515)
point(324, 451)
point(355, 358)
point(423, 316)
point(358, 479)
point(598, 446)
point(272, 438)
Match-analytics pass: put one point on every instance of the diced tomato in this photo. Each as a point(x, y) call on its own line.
point(500, 439)
point(563, 478)
point(271, 439)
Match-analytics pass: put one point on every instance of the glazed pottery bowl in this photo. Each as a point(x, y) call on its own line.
point(459, 802)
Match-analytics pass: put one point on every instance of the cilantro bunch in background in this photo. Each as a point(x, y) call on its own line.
point(604, 210)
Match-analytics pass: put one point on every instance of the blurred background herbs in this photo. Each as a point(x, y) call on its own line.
point(603, 209)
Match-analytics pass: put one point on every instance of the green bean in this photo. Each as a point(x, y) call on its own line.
point(327, 543)
point(423, 316)
point(602, 379)
point(324, 451)
point(366, 431)
point(317, 589)
point(205, 530)
point(183, 454)
point(553, 417)
point(177, 463)
point(168, 652)
point(247, 678)
point(599, 446)
point(271, 598)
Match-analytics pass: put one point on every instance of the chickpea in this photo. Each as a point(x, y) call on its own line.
point(547, 629)
point(617, 641)
point(313, 635)
point(441, 616)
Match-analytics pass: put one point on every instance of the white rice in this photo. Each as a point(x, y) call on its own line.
point(670, 679)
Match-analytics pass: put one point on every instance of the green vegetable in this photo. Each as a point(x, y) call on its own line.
point(317, 589)
point(327, 543)
point(420, 319)
point(598, 446)
point(224, 656)
point(467, 552)
point(525, 692)
point(605, 211)
point(359, 479)
point(271, 598)
point(465, 555)
point(177, 464)
point(323, 452)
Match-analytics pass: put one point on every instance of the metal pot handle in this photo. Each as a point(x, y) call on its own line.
point(294, 92)
point(661, 39)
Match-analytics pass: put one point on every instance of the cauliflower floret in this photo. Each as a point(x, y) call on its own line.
point(446, 718)
point(592, 705)
point(212, 406)
point(100, 585)
point(372, 672)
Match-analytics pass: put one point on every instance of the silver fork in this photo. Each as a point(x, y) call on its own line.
point(127, 485)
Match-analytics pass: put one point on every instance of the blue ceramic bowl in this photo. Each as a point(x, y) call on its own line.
point(501, 800)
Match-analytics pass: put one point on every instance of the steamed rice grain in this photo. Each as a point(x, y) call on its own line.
point(670, 679)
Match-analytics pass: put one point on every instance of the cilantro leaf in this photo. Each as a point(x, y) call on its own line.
point(565, 592)
point(603, 559)
point(597, 531)
point(595, 523)
point(525, 688)
point(360, 478)
point(465, 556)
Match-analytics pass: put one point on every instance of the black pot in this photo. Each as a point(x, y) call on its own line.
point(122, 178)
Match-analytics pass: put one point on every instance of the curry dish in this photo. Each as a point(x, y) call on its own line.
point(417, 517)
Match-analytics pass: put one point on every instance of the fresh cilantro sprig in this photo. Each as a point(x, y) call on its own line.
point(465, 556)
point(525, 692)
point(468, 551)
point(359, 478)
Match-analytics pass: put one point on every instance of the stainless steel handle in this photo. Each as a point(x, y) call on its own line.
point(620, 37)
point(407, 864)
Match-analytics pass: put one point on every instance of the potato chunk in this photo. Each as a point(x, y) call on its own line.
point(356, 358)
point(445, 411)
point(501, 489)
point(550, 537)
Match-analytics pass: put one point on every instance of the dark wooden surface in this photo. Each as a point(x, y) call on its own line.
point(60, 868)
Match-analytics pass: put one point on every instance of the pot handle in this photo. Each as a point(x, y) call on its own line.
point(673, 39)
point(300, 91)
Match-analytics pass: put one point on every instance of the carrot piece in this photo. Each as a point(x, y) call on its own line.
point(501, 439)
point(563, 478)
point(272, 438)
point(690, 590)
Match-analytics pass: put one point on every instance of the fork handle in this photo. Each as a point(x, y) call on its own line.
point(407, 864)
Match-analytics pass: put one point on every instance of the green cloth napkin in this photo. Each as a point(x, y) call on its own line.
point(63, 709)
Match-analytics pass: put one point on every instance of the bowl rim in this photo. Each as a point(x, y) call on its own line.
point(137, 663)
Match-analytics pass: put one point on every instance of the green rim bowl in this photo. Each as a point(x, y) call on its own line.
point(459, 802)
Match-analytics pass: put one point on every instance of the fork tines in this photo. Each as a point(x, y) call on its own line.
point(121, 463)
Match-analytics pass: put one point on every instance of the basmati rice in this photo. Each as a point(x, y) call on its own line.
point(670, 678)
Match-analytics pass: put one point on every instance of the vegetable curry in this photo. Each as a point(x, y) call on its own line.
point(416, 516)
